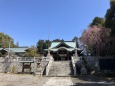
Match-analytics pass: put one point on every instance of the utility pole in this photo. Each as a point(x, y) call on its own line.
point(0, 40)
point(49, 36)
point(9, 48)
point(48, 42)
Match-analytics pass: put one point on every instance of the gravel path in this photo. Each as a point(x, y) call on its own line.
point(22, 80)
point(59, 81)
point(30, 80)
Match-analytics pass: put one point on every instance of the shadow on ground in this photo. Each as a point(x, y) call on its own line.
point(93, 81)
point(93, 84)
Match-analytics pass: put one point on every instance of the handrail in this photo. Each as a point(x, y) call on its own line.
point(49, 65)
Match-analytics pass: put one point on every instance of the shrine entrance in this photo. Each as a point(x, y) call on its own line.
point(62, 54)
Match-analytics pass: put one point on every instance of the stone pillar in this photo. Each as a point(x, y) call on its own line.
point(76, 55)
point(48, 53)
point(16, 58)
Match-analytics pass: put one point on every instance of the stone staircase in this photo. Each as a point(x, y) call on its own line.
point(61, 68)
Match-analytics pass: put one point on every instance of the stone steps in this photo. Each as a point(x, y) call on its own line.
point(61, 68)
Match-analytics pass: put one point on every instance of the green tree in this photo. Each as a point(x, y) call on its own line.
point(110, 17)
point(97, 21)
point(110, 23)
point(43, 44)
point(31, 52)
point(57, 40)
point(5, 40)
point(40, 45)
point(47, 44)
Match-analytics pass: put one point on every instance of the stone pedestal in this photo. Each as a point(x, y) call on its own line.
point(83, 71)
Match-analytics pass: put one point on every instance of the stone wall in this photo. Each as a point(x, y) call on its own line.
point(13, 65)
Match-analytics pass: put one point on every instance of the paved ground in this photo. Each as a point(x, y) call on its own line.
point(30, 80)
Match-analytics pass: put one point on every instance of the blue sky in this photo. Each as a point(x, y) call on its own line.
point(27, 21)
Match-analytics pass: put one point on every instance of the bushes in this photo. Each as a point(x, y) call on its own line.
point(13, 69)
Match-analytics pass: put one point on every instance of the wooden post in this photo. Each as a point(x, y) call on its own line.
point(22, 67)
point(30, 67)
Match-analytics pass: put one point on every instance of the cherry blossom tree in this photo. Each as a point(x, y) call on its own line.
point(97, 40)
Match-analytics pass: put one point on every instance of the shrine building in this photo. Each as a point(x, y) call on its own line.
point(63, 50)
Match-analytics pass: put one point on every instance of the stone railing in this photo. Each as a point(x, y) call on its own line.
point(49, 65)
point(73, 65)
